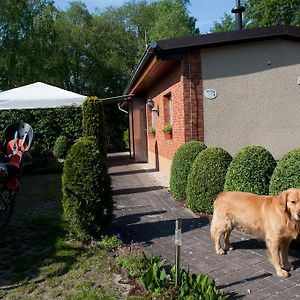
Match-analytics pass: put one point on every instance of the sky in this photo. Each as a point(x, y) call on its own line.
point(205, 11)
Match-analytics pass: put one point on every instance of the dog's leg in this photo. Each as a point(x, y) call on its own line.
point(284, 253)
point(226, 240)
point(216, 231)
point(273, 247)
point(217, 239)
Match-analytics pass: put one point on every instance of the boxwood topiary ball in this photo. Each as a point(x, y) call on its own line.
point(250, 171)
point(181, 165)
point(206, 178)
point(287, 173)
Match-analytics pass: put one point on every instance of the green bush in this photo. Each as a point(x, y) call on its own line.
point(61, 147)
point(181, 165)
point(48, 124)
point(287, 173)
point(250, 171)
point(93, 123)
point(86, 187)
point(126, 139)
point(206, 179)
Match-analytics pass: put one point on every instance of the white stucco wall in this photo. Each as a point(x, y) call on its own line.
point(258, 100)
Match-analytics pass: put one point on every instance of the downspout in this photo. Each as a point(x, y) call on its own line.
point(190, 94)
point(121, 109)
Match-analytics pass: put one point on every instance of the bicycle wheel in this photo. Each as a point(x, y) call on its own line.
point(7, 201)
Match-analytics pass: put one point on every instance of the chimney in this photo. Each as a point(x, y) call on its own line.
point(238, 11)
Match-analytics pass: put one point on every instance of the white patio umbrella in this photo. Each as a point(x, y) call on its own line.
point(38, 95)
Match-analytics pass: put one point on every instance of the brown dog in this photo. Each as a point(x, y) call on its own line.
point(276, 219)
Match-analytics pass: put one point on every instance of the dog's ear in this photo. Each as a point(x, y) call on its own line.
point(283, 200)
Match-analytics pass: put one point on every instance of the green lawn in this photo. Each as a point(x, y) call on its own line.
point(37, 259)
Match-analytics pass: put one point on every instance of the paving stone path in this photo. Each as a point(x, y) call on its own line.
point(146, 213)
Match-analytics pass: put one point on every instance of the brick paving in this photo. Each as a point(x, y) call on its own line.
point(145, 213)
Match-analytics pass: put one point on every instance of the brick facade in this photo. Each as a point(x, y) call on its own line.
point(183, 84)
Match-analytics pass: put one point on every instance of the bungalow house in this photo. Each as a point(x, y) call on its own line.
point(226, 89)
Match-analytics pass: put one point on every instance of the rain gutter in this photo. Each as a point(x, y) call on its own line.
point(144, 60)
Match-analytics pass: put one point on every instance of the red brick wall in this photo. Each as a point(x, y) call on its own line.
point(184, 82)
point(193, 105)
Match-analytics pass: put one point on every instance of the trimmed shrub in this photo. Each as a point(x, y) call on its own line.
point(93, 123)
point(86, 186)
point(250, 171)
point(61, 147)
point(206, 179)
point(181, 166)
point(287, 173)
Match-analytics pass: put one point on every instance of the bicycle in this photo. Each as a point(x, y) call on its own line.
point(18, 140)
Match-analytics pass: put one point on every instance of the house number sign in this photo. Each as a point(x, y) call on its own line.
point(210, 94)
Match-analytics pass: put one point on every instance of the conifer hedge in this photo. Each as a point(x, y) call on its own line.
point(250, 171)
point(87, 194)
point(93, 123)
point(48, 124)
point(206, 179)
point(181, 165)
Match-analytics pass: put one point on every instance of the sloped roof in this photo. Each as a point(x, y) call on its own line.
point(212, 40)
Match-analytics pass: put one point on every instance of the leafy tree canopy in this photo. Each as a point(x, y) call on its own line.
point(91, 54)
point(263, 13)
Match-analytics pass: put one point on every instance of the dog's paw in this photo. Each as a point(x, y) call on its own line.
point(220, 251)
point(282, 273)
point(288, 267)
point(229, 248)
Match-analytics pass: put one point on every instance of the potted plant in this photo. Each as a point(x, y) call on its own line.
point(168, 131)
point(151, 131)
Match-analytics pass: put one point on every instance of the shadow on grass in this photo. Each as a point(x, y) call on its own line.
point(33, 246)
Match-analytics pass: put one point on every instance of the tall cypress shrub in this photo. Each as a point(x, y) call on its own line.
point(87, 194)
point(93, 123)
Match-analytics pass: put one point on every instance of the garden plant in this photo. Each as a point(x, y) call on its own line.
point(61, 147)
point(286, 173)
point(87, 194)
point(250, 171)
point(206, 179)
point(93, 123)
point(181, 165)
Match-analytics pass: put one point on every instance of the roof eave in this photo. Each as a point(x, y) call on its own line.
point(144, 60)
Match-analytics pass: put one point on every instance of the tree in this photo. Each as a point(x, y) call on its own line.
point(21, 40)
point(263, 13)
point(91, 54)
point(72, 27)
point(260, 13)
point(172, 20)
point(227, 23)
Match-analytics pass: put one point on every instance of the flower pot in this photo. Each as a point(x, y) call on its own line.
point(151, 134)
point(168, 135)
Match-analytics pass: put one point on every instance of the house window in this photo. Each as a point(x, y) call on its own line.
point(168, 114)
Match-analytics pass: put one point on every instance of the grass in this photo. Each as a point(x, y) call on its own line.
point(37, 259)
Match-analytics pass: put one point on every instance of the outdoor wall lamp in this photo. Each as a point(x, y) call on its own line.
point(150, 103)
point(156, 110)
